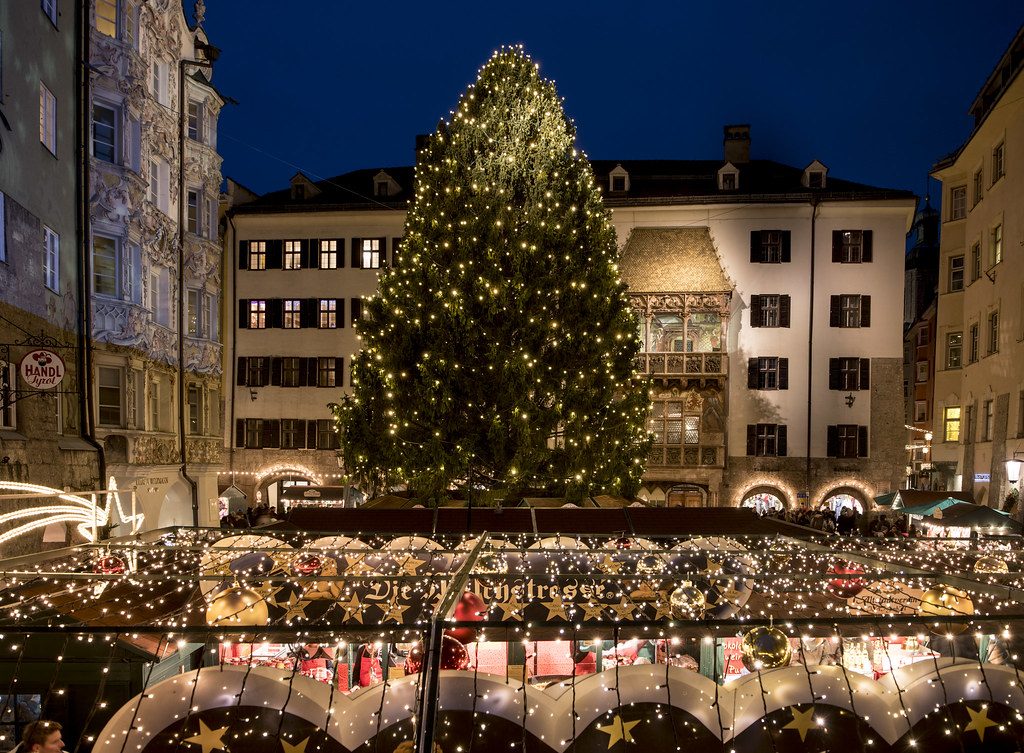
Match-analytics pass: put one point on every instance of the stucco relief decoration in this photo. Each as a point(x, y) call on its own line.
point(206, 451)
point(163, 346)
point(159, 239)
point(203, 357)
point(119, 323)
point(109, 196)
point(62, 309)
point(146, 450)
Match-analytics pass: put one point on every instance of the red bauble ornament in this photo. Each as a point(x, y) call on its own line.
point(307, 564)
point(471, 608)
point(624, 543)
point(848, 586)
point(453, 656)
point(110, 565)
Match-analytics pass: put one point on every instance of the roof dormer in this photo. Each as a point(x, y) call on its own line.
point(728, 177)
point(303, 188)
point(384, 185)
point(618, 180)
point(814, 175)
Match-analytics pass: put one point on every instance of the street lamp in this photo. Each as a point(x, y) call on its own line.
point(1013, 467)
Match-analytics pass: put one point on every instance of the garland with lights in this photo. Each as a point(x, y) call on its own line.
point(500, 350)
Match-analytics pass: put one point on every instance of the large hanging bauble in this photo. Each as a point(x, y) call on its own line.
point(946, 601)
point(765, 648)
point(989, 564)
point(238, 606)
point(687, 601)
point(453, 656)
point(110, 565)
point(852, 582)
point(307, 564)
point(491, 564)
point(650, 564)
point(470, 608)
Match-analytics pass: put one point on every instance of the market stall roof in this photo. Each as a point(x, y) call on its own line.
point(930, 508)
point(915, 497)
point(886, 500)
point(976, 516)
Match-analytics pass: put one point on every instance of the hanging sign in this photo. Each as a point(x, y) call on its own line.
point(42, 369)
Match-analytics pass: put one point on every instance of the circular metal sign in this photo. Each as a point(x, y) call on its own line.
point(42, 369)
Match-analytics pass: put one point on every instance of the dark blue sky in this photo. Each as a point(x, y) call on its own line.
point(876, 90)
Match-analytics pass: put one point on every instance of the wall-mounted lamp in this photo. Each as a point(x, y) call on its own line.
point(253, 395)
point(850, 400)
point(1013, 467)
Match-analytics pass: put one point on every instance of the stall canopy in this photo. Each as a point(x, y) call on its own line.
point(930, 508)
point(917, 497)
point(976, 516)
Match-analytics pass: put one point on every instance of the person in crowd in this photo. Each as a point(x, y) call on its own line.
point(368, 669)
point(42, 736)
point(847, 524)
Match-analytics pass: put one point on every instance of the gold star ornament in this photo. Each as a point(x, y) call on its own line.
point(979, 722)
point(299, 748)
point(802, 721)
point(208, 739)
point(619, 730)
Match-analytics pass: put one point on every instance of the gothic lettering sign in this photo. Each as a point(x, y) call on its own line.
point(42, 369)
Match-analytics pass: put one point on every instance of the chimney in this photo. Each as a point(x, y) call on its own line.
point(736, 144)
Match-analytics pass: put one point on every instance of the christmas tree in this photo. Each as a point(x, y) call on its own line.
point(500, 349)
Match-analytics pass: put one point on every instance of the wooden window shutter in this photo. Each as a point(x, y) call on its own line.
point(832, 444)
point(751, 440)
point(862, 441)
point(339, 362)
point(784, 310)
point(752, 373)
point(781, 440)
point(243, 314)
point(865, 249)
point(264, 371)
point(303, 377)
point(833, 311)
point(313, 252)
point(312, 372)
point(865, 373)
point(274, 254)
point(755, 247)
point(276, 371)
point(311, 435)
point(240, 432)
point(275, 312)
point(243, 254)
point(357, 310)
point(755, 311)
point(300, 433)
point(241, 370)
point(834, 375)
point(783, 373)
point(271, 434)
point(786, 253)
point(310, 312)
point(837, 246)
point(865, 311)
point(356, 246)
point(339, 305)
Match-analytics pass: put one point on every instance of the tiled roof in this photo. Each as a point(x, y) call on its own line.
point(657, 260)
point(651, 182)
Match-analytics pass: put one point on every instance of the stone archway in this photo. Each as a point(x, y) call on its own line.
point(764, 499)
point(176, 509)
point(846, 496)
point(687, 495)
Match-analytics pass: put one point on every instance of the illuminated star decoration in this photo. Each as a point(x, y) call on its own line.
point(593, 611)
point(208, 739)
point(356, 565)
point(608, 565)
point(393, 611)
point(353, 609)
point(979, 722)
point(556, 607)
point(299, 748)
point(619, 730)
point(511, 609)
point(802, 721)
point(624, 609)
point(663, 605)
point(410, 565)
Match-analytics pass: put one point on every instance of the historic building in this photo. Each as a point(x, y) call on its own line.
point(978, 413)
point(41, 426)
point(154, 261)
point(770, 300)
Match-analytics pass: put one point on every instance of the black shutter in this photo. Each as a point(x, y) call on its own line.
point(865, 311)
point(313, 246)
point(243, 314)
point(274, 254)
point(341, 253)
point(862, 441)
point(264, 371)
point(310, 312)
point(755, 247)
point(834, 375)
point(339, 308)
point(310, 435)
point(276, 371)
point(786, 253)
point(300, 433)
point(240, 432)
point(355, 253)
point(832, 445)
point(275, 313)
point(755, 311)
point(394, 251)
point(240, 371)
point(865, 373)
point(837, 246)
point(784, 310)
point(865, 249)
point(357, 310)
point(752, 373)
point(271, 434)
point(783, 373)
point(312, 372)
point(751, 440)
point(303, 377)
point(339, 374)
point(243, 254)
point(781, 440)
point(833, 311)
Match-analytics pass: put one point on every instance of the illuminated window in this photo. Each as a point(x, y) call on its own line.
point(293, 254)
point(48, 119)
point(328, 254)
point(371, 253)
point(106, 17)
point(257, 314)
point(257, 254)
point(328, 313)
point(292, 313)
point(951, 424)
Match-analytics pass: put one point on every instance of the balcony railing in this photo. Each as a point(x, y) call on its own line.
point(692, 456)
point(683, 364)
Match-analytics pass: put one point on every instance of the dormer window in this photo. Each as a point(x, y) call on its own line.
point(618, 180)
point(814, 175)
point(382, 188)
point(298, 191)
point(384, 185)
point(728, 177)
point(302, 188)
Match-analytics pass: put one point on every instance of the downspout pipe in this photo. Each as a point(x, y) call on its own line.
point(810, 349)
point(83, 229)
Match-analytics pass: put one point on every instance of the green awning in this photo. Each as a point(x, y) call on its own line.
point(886, 500)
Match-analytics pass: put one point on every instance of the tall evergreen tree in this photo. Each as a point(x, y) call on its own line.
point(501, 345)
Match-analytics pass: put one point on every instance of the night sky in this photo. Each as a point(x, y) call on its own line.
point(878, 91)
